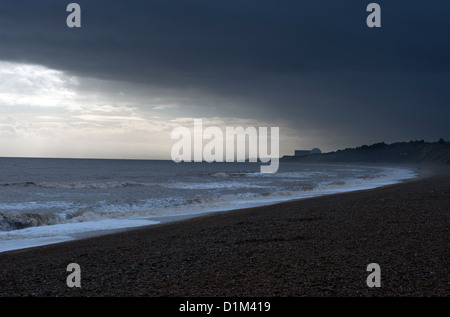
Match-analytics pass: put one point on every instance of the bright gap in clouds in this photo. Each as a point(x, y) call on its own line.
point(34, 85)
point(49, 113)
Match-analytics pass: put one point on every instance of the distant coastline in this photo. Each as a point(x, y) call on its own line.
point(399, 152)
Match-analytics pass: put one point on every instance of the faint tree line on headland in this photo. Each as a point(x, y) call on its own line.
point(400, 152)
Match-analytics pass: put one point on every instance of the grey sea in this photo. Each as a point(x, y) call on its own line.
point(45, 201)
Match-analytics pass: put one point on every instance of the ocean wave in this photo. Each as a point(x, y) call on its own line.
point(216, 185)
point(27, 237)
point(15, 221)
point(34, 205)
point(210, 194)
point(79, 185)
point(233, 174)
point(34, 214)
point(83, 185)
point(22, 184)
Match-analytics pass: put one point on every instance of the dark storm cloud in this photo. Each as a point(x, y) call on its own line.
point(315, 63)
point(188, 37)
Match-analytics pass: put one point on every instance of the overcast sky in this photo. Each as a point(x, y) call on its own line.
point(117, 86)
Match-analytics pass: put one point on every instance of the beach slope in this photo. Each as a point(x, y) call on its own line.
point(313, 247)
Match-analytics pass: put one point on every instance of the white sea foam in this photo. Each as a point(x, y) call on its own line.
point(42, 235)
point(185, 185)
point(391, 176)
point(97, 196)
point(93, 185)
point(33, 205)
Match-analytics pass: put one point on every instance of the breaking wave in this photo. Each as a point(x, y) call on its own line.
point(91, 197)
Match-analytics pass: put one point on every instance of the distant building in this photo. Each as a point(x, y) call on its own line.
point(307, 152)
